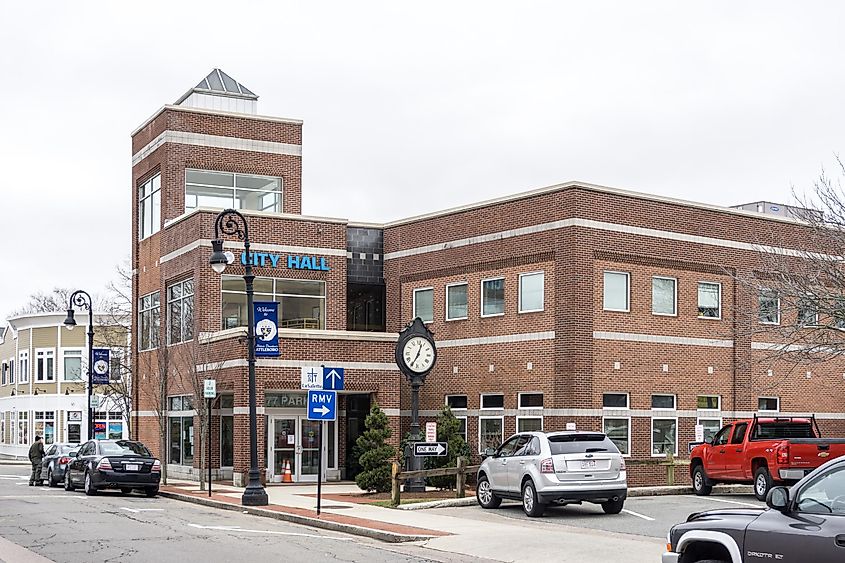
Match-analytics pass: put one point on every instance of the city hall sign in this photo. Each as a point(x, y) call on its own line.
point(291, 261)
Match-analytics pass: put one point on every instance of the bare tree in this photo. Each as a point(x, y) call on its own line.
point(154, 376)
point(115, 333)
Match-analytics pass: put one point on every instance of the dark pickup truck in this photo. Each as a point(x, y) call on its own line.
point(804, 523)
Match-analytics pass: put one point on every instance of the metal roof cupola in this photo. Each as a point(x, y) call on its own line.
point(219, 91)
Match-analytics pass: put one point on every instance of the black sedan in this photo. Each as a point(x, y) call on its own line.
point(113, 464)
point(55, 461)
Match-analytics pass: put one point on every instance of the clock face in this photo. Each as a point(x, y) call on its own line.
point(418, 354)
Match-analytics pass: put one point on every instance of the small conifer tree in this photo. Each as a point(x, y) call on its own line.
point(374, 454)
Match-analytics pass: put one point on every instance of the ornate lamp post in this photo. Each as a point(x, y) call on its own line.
point(82, 300)
point(229, 222)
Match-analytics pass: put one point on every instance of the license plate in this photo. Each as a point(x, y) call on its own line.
point(131, 467)
point(588, 464)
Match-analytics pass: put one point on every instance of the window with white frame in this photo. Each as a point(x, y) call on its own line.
point(45, 425)
point(493, 401)
point(180, 311)
point(530, 401)
point(224, 190)
point(531, 292)
point(664, 436)
point(302, 303)
point(529, 424)
point(663, 402)
point(616, 291)
point(769, 307)
point(618, 429)
point(2, 427)
point(708, 402)
point(456, 301)
point(72, 364)
point(664, 294)
point(614, 400)
point(711, 426)
point(768, 404)
point(149, 321)
point(149, 207)
point(12, 370)
point(492, 297)
point(456, 402)
point(490, 432)
point(108, 425)
point(458, 405)
point(709, 300)
point(23, 377)
point(45, 365)
point(5, 371)
point(180, 430)
point(808, 312)
point(424, 304)
point(23, 428)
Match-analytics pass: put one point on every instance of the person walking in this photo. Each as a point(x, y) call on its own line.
point(36, 455)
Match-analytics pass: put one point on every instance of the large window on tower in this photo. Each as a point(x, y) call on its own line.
point(224, 190)
point(302, 303)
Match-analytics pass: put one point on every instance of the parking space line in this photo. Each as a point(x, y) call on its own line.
point(740, 503)
point(136, 510)
point(238, 529)
point(638, 515)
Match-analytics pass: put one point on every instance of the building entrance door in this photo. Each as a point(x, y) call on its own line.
point(294, 442)
point(307, 454)
point(283, 446)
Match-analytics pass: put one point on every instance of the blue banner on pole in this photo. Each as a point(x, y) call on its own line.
point(100, 367)
point(266, 328)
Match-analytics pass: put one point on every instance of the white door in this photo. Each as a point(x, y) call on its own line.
point(282, 447)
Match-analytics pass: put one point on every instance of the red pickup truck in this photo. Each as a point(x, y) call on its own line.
point(763, 452)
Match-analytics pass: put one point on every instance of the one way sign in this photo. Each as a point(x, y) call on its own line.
point(430, 449)
point(333, 379)
point(322, 405)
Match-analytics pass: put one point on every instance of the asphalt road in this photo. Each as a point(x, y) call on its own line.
point(74, 528)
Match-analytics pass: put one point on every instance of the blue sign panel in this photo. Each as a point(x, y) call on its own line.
point(333, 379)
point(266, 328)
point(100, 366)
point(322, 405)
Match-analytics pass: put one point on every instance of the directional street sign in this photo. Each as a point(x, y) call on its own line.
point(322, 405)
point(333, 378)
point(430, 449)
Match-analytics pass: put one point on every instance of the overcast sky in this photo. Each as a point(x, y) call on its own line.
point(412, 107)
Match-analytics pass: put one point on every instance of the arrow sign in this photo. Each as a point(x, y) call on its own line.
point(322, 405)
point(430, 449)
point(333, 379)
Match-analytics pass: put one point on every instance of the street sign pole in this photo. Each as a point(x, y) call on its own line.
point(319, 464)
point(209, 447)
point(209, 391)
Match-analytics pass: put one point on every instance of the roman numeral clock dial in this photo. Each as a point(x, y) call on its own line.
point(418, 354)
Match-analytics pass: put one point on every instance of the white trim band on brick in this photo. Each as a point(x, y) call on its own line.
point(773, 346)
point(146, 414)
point(217, 141)
point(257, 247)
point(267, 362)
point(505, 338)
point(622, 413)
point(245, 410)
point(661, 339)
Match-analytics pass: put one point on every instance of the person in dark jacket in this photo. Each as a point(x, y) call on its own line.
point(36, 455)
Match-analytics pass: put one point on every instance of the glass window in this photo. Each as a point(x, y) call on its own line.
point(149, 207)
point(23, 428)
point(808, 312)
point(222, 190)
point(783, 430)
point(227, 441)
point(708, 402)
point(44, 370)
point(580, 443)
point(663, 296)
point(769, 308)
point(12, 370)
point(529, 424)
point(456, 302)
point(462, 429)
point(616, 291)
point(722, 437)
point(531, 293)
point(456, 401)
point(45, 425)
point(149, 320)
point(823, 495)
point(711, 426)
point(120, 447)
point(739, 433)
point(490, 432)
point(496, 401)
point(5, 371)
point(180, 312)
point(72, 362)
point(493, 297)
point(24, 372)
point(709, 300)
point(615, 400)
point(531, 400)
point(663, 401)
point(302, 303)
point(664, 436)
point(424, 304)
point(619, 432)
point(768, 404)
point(181, 439)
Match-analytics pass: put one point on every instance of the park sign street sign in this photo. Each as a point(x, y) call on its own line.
point(333, 379)
point(209, 388)
point(322, 405)
point(430, 449)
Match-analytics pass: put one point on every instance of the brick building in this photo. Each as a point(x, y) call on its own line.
point(574, 303)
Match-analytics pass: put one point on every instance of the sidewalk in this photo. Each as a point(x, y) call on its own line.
point(514, 540)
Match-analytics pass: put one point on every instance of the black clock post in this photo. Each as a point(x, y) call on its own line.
point(415, 339)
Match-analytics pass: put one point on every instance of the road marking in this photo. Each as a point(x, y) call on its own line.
point(136, 510)
point(34, 496)
point(730, 501)
point(273, 532)
point(638, 515)
point(14, 477)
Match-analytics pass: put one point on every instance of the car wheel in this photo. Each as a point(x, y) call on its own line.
point(613, 506)
point(699, 482)
point(89, 485)
point(68, 483)
point(125, 490)
point(50, 481)
point(151, 491)
point(484, 494)
point(762, 483)
point(530, 502)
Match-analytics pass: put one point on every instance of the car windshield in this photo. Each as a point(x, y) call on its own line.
point(124, 447)
point(780, 430)
point(68, 448)
point(581, 444)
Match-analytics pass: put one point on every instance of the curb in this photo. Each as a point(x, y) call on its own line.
point(443, 503)
point(687, 490)
point(382, 535)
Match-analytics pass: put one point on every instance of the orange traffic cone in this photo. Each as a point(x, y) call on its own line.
point(287, 477)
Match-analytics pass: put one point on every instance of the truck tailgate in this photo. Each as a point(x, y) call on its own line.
point(805, 454)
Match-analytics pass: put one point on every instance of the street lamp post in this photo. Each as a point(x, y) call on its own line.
point(82, 300)
point(229, 222)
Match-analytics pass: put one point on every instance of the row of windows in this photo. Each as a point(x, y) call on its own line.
point(669, 402)
point(664, 295)
point(531, 298)
point(72, 366)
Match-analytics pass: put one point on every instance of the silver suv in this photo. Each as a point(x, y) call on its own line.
point(554, 467)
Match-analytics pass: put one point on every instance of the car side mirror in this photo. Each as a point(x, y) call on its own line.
point(778, 498)
point(489, 452)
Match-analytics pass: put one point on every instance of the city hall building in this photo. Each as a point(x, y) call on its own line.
point(575, 303)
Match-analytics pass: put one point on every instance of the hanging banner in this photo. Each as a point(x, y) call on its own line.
point(100, 368)
point(266, 328)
